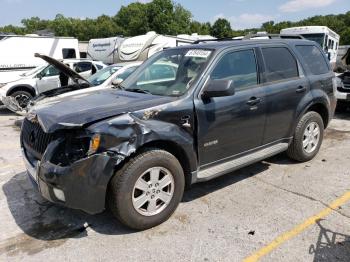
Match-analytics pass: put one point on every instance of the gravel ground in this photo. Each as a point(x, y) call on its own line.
point(227, 219)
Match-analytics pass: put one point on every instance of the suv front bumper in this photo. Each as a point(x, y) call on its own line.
point(82, 185)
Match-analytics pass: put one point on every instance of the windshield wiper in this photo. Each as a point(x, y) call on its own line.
point(138, 90)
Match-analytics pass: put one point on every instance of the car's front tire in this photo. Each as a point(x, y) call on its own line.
point(22, 97)
point(307, 138)
point(147, 190)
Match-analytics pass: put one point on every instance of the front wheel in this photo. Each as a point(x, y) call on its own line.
point(23, 98)
point(307, 138)
point(147, 190)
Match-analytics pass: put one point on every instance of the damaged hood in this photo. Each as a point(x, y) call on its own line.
point(78, 110)
point(62, 68)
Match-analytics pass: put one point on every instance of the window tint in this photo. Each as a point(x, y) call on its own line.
point(82, 67)
point(313, 58)
point(238, 66)
point(280, 64)
point(68, 53)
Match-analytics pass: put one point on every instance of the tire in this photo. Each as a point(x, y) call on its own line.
point(123, 193)
point(22, 97)
point(296, 150)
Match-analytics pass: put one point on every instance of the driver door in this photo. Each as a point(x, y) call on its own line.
point(48, 79)
point(230, 125)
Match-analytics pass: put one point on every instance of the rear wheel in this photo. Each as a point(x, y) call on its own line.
point(147, 190)
point(308, 138)
point(22, 97)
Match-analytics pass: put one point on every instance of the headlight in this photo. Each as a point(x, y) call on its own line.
point(3, 84)
point(94, 144)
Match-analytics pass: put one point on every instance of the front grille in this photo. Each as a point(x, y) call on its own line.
point(34, 137)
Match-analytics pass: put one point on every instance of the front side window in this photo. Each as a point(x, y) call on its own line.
point(313, 58)
point(238, 66)
point(169, 73)
point(280, 64)
point(68, 53)
point(50, 71)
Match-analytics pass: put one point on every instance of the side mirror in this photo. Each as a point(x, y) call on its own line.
point(218, 88)
point(117, 81)
point(40, 76)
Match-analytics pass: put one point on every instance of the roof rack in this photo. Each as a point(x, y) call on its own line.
point(271, 36)
point(214, 40)
point(251, 36)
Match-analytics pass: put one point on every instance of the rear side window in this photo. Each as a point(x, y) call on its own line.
point(82, 67)
point(238, 66)
point(280, 64)
point(313, 58)
point(68, 53)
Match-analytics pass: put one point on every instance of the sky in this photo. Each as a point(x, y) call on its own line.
point(241, 13)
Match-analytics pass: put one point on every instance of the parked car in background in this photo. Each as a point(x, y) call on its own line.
point(17, 52)
point(45, 78)
point(343, 83)
point(108, 77)
point(218, 107)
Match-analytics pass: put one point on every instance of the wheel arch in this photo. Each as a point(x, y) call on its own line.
point(27, 88)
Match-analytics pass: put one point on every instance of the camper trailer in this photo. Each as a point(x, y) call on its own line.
point(104, 49)
point(17, 52)
point(139, 48)
point(325, 37)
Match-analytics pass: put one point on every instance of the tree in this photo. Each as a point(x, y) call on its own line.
point(133, 19)
point(221, 28)
point(160, 16)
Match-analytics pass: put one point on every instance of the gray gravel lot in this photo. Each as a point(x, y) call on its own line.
point(227, 219)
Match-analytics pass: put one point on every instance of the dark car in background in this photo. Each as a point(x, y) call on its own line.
point(225, 105)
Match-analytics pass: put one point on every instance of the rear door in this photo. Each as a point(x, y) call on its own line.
point(234, 124)
point(285, 86)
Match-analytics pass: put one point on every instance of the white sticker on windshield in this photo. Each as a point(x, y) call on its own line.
point(198, 53)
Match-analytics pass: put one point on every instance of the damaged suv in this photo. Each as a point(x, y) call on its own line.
point(187, 115)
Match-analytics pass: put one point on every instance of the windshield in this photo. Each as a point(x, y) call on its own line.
point(34, 71)
point(318, 38)
point(169, 73)
point(101, 76)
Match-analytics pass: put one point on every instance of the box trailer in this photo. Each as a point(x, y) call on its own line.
point(17, 52)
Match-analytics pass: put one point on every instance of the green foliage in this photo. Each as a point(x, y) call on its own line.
point(164, 17)
point(221, 28)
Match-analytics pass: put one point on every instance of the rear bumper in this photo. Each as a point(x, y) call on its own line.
point(82, 184)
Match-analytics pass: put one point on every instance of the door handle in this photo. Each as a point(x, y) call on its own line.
point(253, 101)
point(301, 89)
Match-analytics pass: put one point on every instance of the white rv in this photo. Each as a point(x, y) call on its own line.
point(17, 52)
point(104, 49)
point(141, 47)
point(325, 37)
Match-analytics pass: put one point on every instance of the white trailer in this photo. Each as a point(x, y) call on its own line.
point(17, 52)
point(140, 48)
point(104, 49)
point(325, 37)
